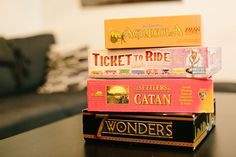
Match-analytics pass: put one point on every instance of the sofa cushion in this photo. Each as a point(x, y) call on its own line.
point(7, 82)
point(30, 54)
point(23, 112)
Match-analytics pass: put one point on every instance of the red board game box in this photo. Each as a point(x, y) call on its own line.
point(150, 95)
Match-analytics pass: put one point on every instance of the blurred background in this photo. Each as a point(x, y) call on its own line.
point(47, 41)
point(73, 23)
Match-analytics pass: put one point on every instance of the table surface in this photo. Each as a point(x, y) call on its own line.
point(64, 138)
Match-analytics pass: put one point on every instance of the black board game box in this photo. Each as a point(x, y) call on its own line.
point(168, 130)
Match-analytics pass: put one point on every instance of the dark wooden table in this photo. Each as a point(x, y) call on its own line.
point(64, 139)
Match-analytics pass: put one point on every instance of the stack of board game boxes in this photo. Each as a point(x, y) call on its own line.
point(152, 85)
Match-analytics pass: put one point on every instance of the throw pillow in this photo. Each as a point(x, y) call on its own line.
point(67, 70)
point(30, 55)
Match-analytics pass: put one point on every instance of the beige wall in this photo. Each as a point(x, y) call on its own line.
point(73, 24)
point(20, 17)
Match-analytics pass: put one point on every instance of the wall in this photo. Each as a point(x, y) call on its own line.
point(20, 17)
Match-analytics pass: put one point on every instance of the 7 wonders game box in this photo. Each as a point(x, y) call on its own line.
point(178, 130)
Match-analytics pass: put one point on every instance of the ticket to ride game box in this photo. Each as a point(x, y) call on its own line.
point(191, 62)
point(153, 32)
point(150, 95)
point(167, 130)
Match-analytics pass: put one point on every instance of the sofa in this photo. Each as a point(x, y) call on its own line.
point(23, 66)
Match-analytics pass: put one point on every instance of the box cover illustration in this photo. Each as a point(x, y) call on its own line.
point(196, 62)
point(150, 95)
point(181, 130)
point(153, 32)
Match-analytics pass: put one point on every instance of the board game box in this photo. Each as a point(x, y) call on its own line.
point(153, 32)
point(181, 62)
point(150, 95)
point(168, 130)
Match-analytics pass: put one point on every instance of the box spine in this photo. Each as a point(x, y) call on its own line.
point(153, 32)
point(158, 130)
point(179, 62)
point(150, 95)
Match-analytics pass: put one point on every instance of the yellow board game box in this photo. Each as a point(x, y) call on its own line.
point(153, 32)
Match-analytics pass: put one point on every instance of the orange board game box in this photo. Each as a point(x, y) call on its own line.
point(153, 32)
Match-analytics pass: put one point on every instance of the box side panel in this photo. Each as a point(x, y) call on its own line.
point(204, 123)
point(215, 62)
